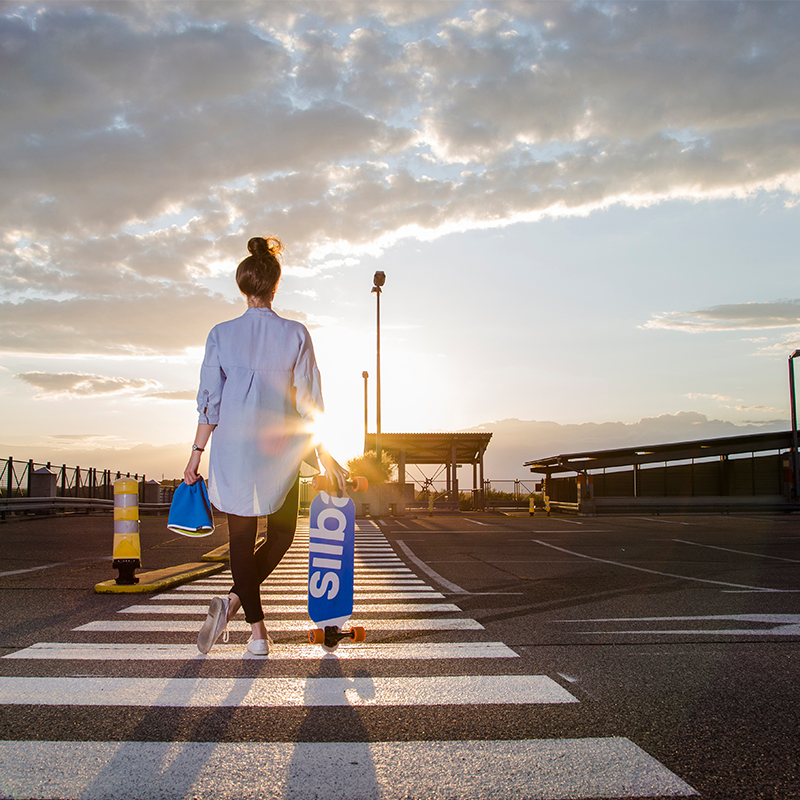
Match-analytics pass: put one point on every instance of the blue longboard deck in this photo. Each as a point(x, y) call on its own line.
point(331, 551)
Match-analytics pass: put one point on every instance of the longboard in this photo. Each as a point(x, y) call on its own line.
point(331, 552)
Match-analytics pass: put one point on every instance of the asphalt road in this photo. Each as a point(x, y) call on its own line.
point(506, 657)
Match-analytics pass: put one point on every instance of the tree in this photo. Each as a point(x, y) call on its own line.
point(368, 467)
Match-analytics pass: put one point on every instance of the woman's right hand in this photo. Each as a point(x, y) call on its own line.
point(190, 474)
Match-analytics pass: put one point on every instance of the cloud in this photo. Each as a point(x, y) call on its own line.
point(188, 394)
point(166, 322)
point(722, 398)
point(140, 140)
point(733, 317)
point(82, 384)
point(727, 402)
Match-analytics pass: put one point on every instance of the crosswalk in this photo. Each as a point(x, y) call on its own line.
point(422, 653)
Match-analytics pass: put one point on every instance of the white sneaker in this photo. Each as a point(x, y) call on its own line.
point(215, 625)
point(259, 647)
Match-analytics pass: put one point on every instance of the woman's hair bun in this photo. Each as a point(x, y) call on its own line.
point(264, 247)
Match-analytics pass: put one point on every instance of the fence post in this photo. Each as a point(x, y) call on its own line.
point(10, 476)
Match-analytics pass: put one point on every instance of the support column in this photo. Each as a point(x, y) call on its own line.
point(455, 472)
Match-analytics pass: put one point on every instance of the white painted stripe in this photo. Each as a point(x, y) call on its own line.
point(739, 552)
point(776, 619)
point(783, 630)
point(68, 651)
point(358, 608)
point(443, 582)
point(376, 569)
point(210, 583)
point(275, 692)
point(653, 571)
point(50, 566)
point(300, 624)
point(469, 770)
point(786, 625)
point(277, 594)
point(386, 586)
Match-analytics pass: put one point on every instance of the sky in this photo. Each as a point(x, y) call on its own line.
point(587, 214)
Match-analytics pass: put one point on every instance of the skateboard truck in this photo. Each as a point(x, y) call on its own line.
point(331, 636)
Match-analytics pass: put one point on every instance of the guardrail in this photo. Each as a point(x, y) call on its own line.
point(19, 478)
point(55, 504)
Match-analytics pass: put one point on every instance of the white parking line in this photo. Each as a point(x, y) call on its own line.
point(656, 572)
point(739, 552)
point(443, 582)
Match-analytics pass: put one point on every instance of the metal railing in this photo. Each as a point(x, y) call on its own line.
point(32, 486)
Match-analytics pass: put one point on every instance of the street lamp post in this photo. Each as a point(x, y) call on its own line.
point(378, 280)
point(795, 459)
point(365, 375)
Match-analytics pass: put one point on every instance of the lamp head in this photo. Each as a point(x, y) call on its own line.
point(795, 354)
point(379, 279)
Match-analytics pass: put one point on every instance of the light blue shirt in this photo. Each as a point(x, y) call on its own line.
point(259, 384)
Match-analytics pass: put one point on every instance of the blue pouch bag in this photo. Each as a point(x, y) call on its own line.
point(190, 513)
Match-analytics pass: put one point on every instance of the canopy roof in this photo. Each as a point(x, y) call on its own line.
point(648, 454)
point(433, 448)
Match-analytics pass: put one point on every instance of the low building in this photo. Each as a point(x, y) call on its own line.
point(750, 472)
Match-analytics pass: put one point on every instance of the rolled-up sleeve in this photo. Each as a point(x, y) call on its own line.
point(212, 381)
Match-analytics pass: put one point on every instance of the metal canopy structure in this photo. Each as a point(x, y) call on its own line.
point(649, 454)
point(447, 449)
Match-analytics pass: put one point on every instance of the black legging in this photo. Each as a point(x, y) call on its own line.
point(250, 569)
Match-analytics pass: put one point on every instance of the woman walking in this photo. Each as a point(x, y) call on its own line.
point(259, 392)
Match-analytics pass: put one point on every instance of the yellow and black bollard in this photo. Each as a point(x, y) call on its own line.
point(430, 504)
point(531, 506)
point(547, 505)
point(127, 551)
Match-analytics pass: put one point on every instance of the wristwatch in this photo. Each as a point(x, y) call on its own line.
point(199, 449)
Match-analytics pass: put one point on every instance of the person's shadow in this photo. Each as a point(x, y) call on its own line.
point(331, 755)
point(166, 743)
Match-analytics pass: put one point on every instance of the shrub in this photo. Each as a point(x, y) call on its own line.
point(368, 467)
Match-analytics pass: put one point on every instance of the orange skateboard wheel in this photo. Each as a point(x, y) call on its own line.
point(320, 483)
point(358, 633)
point(317, 636)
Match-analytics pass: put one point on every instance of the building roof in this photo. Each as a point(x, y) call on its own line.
point(433, 448)
point(648, 454)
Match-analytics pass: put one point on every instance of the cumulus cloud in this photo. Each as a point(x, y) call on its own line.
point(731, 317)
point(728, 402)
point(187, 394)
point(139, 140)
point(81, 384)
